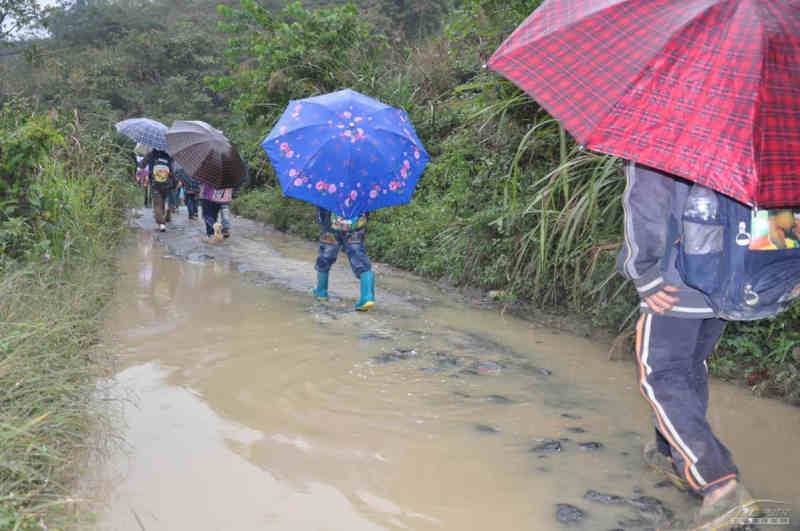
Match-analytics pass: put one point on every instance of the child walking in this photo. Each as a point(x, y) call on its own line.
point(211, 201)
point(336, 232)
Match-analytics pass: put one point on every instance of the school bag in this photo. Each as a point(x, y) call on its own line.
point(342, 224)
point(746, 261)
point(161, 170)
point(216, 195)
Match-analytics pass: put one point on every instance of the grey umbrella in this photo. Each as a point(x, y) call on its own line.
point(144, 131)
point(205, 153)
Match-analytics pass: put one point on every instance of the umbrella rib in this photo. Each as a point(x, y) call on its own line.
point(268, 139)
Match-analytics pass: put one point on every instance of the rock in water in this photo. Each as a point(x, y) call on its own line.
point(499, 399)
point(599, 497)
point(566, 513)
point(547, 446)
point(651, 508)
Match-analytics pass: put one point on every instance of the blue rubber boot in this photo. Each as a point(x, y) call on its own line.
point(321, 291)
point(367, 300)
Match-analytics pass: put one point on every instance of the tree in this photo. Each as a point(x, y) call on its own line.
point(293, 53)
point(18, 16)
point(103, 22)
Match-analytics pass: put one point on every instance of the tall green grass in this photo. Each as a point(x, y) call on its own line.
point(52, 297)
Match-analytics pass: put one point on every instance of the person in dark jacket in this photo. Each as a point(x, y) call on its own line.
point(675, 334)
point(335, 233)
point(191, 189)
point(162, 179)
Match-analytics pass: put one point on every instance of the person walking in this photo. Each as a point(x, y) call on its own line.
point(173, 198)
point(675, 334)
point(225, 210)
point(142, 176)
point(162, 179)
point(336, 232)
point(191, 189)
point(211, 201)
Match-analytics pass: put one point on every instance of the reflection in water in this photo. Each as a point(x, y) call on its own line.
point(259, 410)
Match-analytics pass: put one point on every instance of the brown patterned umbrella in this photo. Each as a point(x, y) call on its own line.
point(205, 153)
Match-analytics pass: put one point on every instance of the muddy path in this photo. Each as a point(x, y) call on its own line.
point(254, 407)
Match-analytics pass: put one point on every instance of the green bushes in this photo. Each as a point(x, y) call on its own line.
point(508, 201)
point(57, 272)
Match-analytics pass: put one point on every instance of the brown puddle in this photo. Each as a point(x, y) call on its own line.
point(257, 408)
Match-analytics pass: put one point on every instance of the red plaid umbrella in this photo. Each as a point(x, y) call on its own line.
point(705, 89)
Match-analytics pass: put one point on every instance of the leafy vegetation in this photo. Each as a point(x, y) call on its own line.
point(508, 201)
point(63, 206)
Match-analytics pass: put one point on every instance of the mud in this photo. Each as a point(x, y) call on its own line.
point(258, 408)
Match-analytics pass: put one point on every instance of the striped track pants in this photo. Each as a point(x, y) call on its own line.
point(671, 354)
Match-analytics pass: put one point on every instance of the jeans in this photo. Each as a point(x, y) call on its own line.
point(172, 198)
point(191, 204)
point(673, 376)
point(160, 212)
point(210, 213)
point(353, 243)
point(225, 213)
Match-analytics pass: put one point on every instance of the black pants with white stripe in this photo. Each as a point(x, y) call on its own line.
point(674, 379)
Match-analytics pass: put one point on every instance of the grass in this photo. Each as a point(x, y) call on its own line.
point(52, 298)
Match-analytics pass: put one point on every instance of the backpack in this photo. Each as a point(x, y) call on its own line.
point(746, 261)
point(216, 195)
point(341, 224)
point(161, 169)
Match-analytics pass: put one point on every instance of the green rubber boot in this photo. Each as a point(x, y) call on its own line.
point(321, 291)
point(367, 291)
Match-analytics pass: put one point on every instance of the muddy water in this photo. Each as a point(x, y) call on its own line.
point(255, 408)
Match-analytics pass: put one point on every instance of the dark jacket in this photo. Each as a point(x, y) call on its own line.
point(653, 205)
point(147, 162)
point(190, 186)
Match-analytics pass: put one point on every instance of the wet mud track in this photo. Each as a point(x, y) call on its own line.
point(427, 413)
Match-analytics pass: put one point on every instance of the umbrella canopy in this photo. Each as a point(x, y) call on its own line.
point(144, 131)
point(705, 89)
point(346, 152)
point(205, 153)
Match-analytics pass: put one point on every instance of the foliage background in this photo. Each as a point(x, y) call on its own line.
point(508, 202)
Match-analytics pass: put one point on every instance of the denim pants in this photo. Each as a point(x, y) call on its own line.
point(191, 204)
point(172, 198)
point(225, 215)
point(330, 241)
point(210, 213)
point(160, 211)
point(673, 377)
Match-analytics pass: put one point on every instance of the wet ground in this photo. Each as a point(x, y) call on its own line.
point(250, 406)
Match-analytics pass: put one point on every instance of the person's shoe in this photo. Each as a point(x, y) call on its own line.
point(321, 291)
point(729, 512)
point(663, 465)
point(367, 300)
point(226, 232)
point(162, 227)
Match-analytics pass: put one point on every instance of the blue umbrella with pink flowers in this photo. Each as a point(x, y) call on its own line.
point(346, 152)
